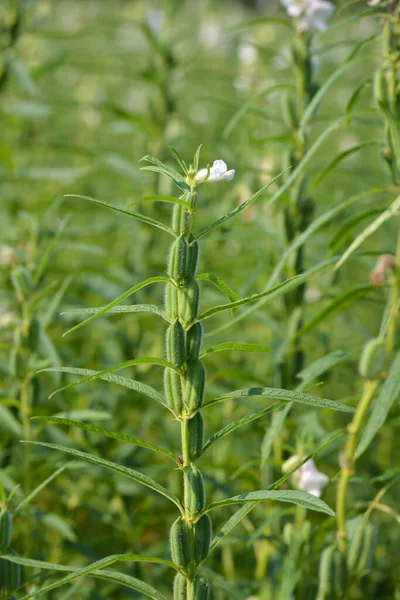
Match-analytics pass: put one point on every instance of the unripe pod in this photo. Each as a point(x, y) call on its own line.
point(178, 260)
point(180, 587)
point(180, 543)
point(173, 390)
point(201, 588)
point(10, 578)
point(289, 112)
point(188, 301)
point(325, 582)
point(381, 91)
point(362, 547)
point(372, 358)
point(176, 344)
point(338, 574)
point(35, 391)
point(202, 538)
point(34, 334)
point(194, 387)
point(16, 363)
point(194, 339)
point(192, 256)
point(5, 529)
point(171, 301)
point(180, 219)
point(196, 436)
point(22, 281)
point(194, 494)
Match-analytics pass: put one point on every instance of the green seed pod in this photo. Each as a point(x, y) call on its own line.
point(288, 534)
point(10, 578)
point(194, 387)
point(194, 494)
point(176, 351)
point(5, 529)
point(362, 548)
point(201, 588)
point(180, 587)
point(306, 531)
point(35, 391)
point(338, 574)
point(326, 565)
point(180, 543)
point(16, 363)
point(372, 358)
point(34, 334)
point(173, 390)
point(194, 339)
point(180, 219)
point(196, 436)
point(381, 90)
point(171, 301)
point(22, 281)
point(178, 260)
point(202, 538)
point(289, 112)
point(192, 256)
point(188, 301)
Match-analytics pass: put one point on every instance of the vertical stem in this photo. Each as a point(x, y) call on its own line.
point(348, 468)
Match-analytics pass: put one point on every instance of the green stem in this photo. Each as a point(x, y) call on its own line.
point(348, 468)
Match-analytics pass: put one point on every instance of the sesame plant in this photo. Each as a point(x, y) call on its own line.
point(191, 538)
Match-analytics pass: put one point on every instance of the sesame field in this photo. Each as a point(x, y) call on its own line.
point(200, 299)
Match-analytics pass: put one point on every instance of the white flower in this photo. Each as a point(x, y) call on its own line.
point(373, 2)
point(218, 172)
point(312, 14)
point(310, 480)
point(247, 54)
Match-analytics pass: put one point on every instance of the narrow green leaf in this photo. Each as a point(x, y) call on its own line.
point(100, 374)
point(246, 105)
point(91, 570)
point(131, 384)
point(122, 437)
point(122, 309)
point(346, 230)
point(138, 216)
point(240, 423)
point(196, 158)
point(53, 304)
point(315, 102)
point(388, 395)
point(293, 496)
point(342, 156)
point(270, 294)
point(44, 261)
point(221, 285)
point(39, 488)
point(370, 230)
point(160, 167)
point(277, 421)
point(168, 199)
point(345, 299)
point(264, 21)
point(282, 395)
point(355, 96)
point(104, 309)
point(321, 366)
point(130, 473)
point(232, 522)
point(236, 346)
point(317, 224)
point(178, 159)
point(238, 209)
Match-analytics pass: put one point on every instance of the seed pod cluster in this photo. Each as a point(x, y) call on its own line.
point(10, 578)
point(331, 573)
point(200, 588)
point(362, 548)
